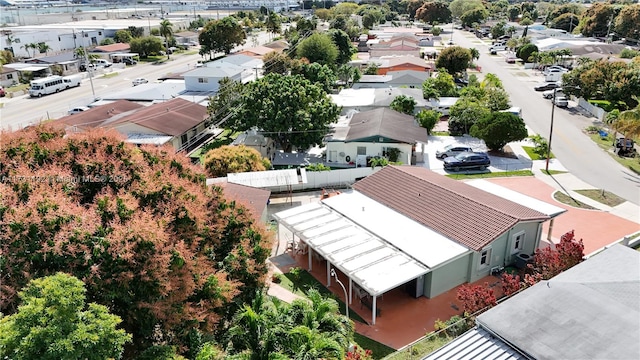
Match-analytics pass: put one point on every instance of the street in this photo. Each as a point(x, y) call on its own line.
point(570, 145)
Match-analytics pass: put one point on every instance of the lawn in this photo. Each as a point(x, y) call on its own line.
point(632, 164)
point(568, 200)
point(421, 348)
point(110, 75)
point(491, 174)
point(378, 350)
point(306, 282)
point(602, 196)
point(532, 155)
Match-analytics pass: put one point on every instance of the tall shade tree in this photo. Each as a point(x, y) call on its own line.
point(434, 12)
point(122, 36)
point(498, 129)
point(146, 46)
point(595, 21)
point(54, 322)
point(289, 109)
point(474, 16)
point(404, 104)
point(459, 7)
point(454, 60)
point(276, 62)
point(273, 23)
point(233, 159)
point(321, 75)
point(222, 35)
point(166, 31)
point(348, 75)
point(343, 44)
point(137, 224)
point(318, 48)
point(627, 23)
point(225, 100)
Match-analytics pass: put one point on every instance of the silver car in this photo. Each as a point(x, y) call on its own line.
point(452, 150)
point(561, 101)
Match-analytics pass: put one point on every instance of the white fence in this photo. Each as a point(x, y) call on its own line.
point(328, 179)
point(592, 109)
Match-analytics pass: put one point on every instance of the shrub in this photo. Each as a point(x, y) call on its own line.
point(629, 53)
point(317, 167)
point(475, 297)
point(455, 326)
point(428, 119)
point(276, 278)
point(541, 146)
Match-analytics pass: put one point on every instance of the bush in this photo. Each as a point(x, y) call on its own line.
point(608, 106)
point(428, 119)
point(541, 146)
point(317, 167)
point(454, 327)
point(629, 53)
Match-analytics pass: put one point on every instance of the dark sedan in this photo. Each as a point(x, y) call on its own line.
point(467, 160)
point(547, 86)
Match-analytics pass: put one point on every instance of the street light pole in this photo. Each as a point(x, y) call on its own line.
point(346, 299)
point(553, 107)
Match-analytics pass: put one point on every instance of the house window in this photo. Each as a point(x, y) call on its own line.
point(362, 150)
point(9, 76)
point(485, 258)
point(183, 139)
point(518, 242)
point(203, 80)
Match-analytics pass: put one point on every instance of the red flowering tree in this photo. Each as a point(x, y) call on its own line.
point(137, 225)
point(549, 262)
point(510, 284)
point(476, 297)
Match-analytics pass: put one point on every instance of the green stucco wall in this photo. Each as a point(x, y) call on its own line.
point(446, 277)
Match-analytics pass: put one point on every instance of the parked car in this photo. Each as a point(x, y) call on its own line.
point(494, 49)
point(549, 93)
point(555, 68)
point(547, 86)
point(510, 59)
point(2, 92)
point(102, 62)
point(139, 81)
point(461, 82)
point(467, 160)
point(561, 101)
point(452, 150)
point(78, 109)
point(129, 61)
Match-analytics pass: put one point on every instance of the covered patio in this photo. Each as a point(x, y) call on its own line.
point(353, 235)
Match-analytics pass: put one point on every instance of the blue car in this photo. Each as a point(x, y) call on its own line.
point(467, 160)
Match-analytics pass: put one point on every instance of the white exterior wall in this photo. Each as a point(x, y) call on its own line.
point(373, 149)
point(321, 179)
point(213, 83)
point(58, 40)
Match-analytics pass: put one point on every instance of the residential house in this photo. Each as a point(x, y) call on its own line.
point(368, 99)
point(251, 66)
point(207, 78)
point(32, 70)
point(403, 78)
point(111, 48)
point(146, 93)
point(570, 316)
point(186, 37)
point(262, 144)
point(252, 198)
point(9, 76)
point(96, 116)
point(278, 45)
point(177, 122)
point(398, 63)
point(376, 133)
point(257, 51)
point(68, 62)
point(408, 227)
point(402, 47)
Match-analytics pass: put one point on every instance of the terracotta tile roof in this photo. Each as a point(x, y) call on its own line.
point(386, 123)
point(117, 47)
point(470, 216)
point(254, 199)
point(173, 117)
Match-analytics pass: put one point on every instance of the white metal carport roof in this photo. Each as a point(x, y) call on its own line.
point(371, 262)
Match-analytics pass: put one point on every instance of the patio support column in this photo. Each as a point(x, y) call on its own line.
point(373, 309)
point(278, 232)
point(328, 273)
point(350, 290)
point(309, 256)
point(550, 228)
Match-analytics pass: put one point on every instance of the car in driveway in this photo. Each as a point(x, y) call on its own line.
point(452, 150)
point(139, 81)
point(561, 101)
point(78, 109)
point(547, 86)
point(549, 93)
point(467, 160)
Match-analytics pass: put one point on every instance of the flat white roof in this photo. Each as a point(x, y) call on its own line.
point(371, 262)
point(421, 243)
point(354, 97)
point(524, 200)
point(268, 178)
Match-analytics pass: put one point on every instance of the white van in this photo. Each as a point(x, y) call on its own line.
point(514, 110)
point(102, 62)
point(71, 81)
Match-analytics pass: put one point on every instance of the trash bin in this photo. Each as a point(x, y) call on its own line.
point(522, 260)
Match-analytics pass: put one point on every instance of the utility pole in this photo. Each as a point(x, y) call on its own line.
point(89, 69)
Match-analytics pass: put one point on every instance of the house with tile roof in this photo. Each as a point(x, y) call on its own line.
point(96, 116)
point(570, 316)
point(375, 133)
point(410, 228)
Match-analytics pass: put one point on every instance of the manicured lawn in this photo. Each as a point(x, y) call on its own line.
point(306, 282)
point(602, 196)
point(566, 199)
point(378, 350)
point(532, 155)
point(491, 174)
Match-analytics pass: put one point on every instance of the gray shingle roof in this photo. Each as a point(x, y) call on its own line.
point(386, 123)
point(463, 213)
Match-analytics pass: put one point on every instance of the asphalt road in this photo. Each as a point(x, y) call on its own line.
point(575, 150)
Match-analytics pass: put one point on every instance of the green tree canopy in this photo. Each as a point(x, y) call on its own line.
point(404, 104)
point(463, 114)
point(222, 35)
point(137, 224)
point(474, 16)
point(318, 48)
point(441, 85)
point(343, 44)
point(524, 52)
point(428, 119)
point(459, 7)
point(321, 75)
point(454, 59)
point(289, 109)
point(627, 23)
point(497, 129)
point(595, 20)
point(136, 31)
point(434, 12)
point(54, 322)
point(225, 100)
point(122, 36)
point(145, 46)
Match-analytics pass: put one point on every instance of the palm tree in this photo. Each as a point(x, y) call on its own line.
point(273, 23)
point(28, 47)
point(628, 122)
point(166, 31)
point(475, 54)
point(491, 81)
point(311, 345)
point(348, 74)
point(43, 48)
